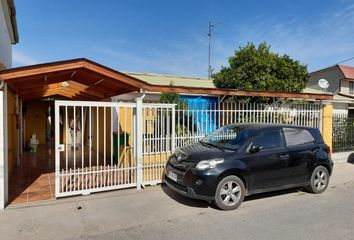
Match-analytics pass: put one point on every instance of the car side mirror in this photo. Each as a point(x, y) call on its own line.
point(255, 148)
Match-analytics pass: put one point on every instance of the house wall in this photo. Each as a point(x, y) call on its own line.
point(35, 121)
point(5, 41)
point(345, 86)
point(340, 108)
point(149, 97)
point(332, 75)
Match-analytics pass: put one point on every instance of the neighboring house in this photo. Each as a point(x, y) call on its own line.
point(196, 102)
point(341, 85)
point(8, 32)
point(166, 80)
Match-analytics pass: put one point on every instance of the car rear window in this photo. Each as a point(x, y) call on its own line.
point(297, 136)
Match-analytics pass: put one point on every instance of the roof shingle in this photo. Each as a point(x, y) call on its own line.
point(347, 71)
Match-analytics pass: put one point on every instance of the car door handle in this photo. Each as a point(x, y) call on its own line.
point(284, 156)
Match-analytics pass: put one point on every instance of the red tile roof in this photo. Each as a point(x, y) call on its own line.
point(347, 71)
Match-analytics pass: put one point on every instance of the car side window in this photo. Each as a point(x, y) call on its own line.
point(297, 137)
point(269, 140)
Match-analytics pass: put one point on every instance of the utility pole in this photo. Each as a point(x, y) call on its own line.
point(210, 32)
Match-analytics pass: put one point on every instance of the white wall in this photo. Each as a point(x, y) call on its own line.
point(132, 96)
point(340, 108)
point(345, 87)
point(5, 42)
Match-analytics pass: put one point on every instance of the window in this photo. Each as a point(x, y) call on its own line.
point(297, 136)
point(351, 87)
point(229, 137)
point(269, 140)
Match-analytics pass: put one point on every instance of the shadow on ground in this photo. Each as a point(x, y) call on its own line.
point(204, 204)
point(184, 200)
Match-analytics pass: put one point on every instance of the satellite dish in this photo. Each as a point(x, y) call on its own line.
point(323, 83)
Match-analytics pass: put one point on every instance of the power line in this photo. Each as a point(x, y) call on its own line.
point(344, 61)
point(335, 64)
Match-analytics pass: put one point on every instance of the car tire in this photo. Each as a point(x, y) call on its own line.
point(230, 193)
point(319, 180)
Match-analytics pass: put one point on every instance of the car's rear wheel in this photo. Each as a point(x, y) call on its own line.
point(230, 193)
point(319, 180)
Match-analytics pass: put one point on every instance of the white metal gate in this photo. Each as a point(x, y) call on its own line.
point(104, 145)
point(158, 140)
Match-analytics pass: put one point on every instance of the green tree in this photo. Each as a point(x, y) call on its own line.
point(257, 68)
point(169, 98)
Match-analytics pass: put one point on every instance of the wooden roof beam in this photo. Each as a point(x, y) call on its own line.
point(232, 92)
point(37, 71)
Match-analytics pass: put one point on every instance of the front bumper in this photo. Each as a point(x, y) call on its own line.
point(193, 184)
point(186, 191)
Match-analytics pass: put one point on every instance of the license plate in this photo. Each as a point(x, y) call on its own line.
point(172, 176)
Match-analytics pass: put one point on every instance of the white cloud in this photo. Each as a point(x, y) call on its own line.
point(167, 58)
point(319, 43)
point(20, 58)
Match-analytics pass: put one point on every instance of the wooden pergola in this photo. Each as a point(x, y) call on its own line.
point(82, 79)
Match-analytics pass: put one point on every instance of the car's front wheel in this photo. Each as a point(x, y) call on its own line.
point(319, 180)
point(230, 193)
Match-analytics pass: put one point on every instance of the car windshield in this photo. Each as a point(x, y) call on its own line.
point(228, 137)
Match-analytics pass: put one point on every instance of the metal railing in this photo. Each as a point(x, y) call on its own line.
point(196, 120)
point(343, 133)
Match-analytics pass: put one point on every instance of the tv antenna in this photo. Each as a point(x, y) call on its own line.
point(210, 32)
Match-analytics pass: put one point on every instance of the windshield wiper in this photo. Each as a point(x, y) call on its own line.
point(213, 145)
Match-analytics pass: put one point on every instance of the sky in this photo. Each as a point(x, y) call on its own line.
point(170, 37)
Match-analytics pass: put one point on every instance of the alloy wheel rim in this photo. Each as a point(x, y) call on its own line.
point(321, 180)
point(230, 193)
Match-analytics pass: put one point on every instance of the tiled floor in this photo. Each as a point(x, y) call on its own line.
point(34, 179)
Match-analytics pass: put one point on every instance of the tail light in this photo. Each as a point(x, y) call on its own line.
point(329, 151)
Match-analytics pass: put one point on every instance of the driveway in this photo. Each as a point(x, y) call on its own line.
point(158, 213)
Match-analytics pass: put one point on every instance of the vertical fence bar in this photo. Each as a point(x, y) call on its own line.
point(57, 142)
point(97, 143)
point(104, 144)
point(90, 145)
point(139, 133)
point(82, 145)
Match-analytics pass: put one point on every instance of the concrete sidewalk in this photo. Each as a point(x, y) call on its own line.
point(153, 213)
point(342, 157)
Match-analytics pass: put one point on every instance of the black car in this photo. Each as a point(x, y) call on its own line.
point(243, 159)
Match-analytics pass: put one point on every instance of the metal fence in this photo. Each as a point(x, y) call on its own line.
point(108, 145)
point(196, 120)
point(343, 133)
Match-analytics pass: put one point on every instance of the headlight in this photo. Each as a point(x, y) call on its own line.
point(208, 164)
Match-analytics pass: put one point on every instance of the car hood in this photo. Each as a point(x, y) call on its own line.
point(198, 152)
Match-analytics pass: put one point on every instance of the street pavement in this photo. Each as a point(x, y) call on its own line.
point(158, 213)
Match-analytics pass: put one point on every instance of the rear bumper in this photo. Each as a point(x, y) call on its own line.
point(186, 191)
